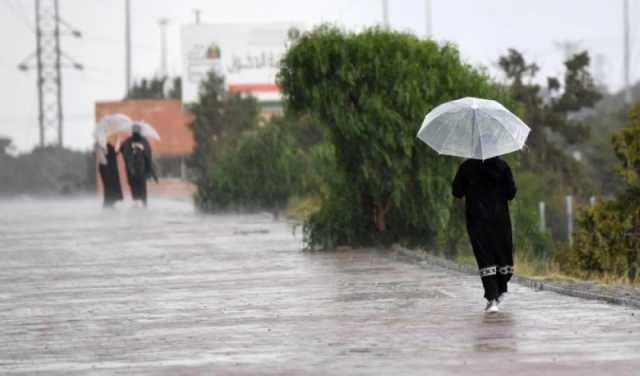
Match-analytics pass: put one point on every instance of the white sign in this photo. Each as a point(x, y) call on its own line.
point(246, 55)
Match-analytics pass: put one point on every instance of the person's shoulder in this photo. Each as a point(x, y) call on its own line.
point(502, 164)
point(463, 165)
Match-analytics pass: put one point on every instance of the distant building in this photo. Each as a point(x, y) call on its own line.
point(171, 152)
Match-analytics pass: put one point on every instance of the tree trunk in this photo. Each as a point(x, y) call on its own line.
point(380, 215)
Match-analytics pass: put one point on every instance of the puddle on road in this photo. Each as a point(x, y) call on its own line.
point(251, 232)
point(495, 333)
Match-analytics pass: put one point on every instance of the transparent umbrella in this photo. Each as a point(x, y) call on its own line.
point(111, 124)
point(146, 130)
point(473, 128)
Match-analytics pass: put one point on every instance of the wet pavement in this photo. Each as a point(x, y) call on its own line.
point(168, 292)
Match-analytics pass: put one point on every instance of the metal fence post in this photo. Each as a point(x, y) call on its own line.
point(570, 219)
point(543, 224)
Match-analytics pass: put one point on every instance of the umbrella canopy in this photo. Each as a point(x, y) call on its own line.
point(146, 130)
point(117, 123)
point(473, 128)
point(111, 124)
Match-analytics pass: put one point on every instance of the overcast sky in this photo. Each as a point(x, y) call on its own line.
point(482, 29)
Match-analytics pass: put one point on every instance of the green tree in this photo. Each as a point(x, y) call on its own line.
point(608, 239)
point(219, 120)
point(548, 110)
point(372, 90)
point(156, 88)
point(261, 171)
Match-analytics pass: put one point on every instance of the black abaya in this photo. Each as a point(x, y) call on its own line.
point(110, 178)
point(488, 186)
point(139, 162)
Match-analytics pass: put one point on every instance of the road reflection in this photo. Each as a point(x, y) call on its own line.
point(495, 333)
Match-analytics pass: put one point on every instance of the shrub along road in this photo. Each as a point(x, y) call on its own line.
point(166, 291)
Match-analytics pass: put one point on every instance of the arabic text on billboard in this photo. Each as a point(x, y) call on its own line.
point(247, 55)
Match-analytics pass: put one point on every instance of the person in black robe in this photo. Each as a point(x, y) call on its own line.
point(139, 161)
point(488, 186)
point(108, 170)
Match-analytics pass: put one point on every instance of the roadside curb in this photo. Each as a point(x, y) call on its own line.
point(421, 256)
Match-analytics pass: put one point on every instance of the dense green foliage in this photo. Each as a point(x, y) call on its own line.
point(372, 89)
point(260, 172)
point(608, 239)
point(241, 161)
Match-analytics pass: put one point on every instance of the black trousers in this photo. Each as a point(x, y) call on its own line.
point(493, 250)
point(110, 184)
point(138, 189)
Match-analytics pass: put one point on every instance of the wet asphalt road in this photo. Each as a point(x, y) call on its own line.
point(168, 292)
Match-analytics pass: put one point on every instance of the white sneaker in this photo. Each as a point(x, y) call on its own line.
point(492, 306)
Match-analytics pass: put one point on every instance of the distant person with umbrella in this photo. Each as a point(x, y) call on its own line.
point(106, 156)
point(481, 130)
point(139, 162)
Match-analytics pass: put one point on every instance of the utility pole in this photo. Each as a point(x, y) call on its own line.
point(127, 37)
point(428, 19)
point(385, 13)
point(48, 56)
point(570, 219)
point(39, 70)
point(163, 22)
point(197, 13)
point(627, 85)
point(56, 32)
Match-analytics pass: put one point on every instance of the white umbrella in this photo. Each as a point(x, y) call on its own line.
point(147, 130)
point(110, 124)
point(473, 128)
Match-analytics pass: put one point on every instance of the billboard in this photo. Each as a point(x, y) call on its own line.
point(246, 55)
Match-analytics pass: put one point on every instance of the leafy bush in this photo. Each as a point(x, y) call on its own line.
point(261, 171)
point(608, 239)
